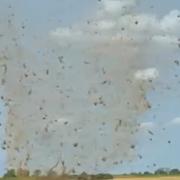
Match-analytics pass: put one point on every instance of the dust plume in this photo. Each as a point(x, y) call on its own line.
point(73, 98)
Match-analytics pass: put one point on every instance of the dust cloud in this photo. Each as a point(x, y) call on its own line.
point(73, 98)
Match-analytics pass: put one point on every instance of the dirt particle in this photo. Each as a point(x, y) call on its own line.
point(30, 92)
point(24, 66)
point(86, 62)
point(3, 81)
point(60, 58)
point(136, 22)
point(140, 156)
point(104, 159)
point(26, 75)
point(40, 108)
point(104, 82)
point(3, 148)
point(177, 62)
point(150, 132)
point(75, 144)
point(169, 142)
point(78, 164)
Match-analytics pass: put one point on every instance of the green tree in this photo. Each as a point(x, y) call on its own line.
point(10, 173)
point(52, 173)
point(174, 171)
point(147, 173)
point(161, 171)
point(37, 172)
point(23, 172)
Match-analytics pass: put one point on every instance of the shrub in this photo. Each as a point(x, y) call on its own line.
point(174, 171)
point(161, 171)
point(10, 173)
point(37, 172)
point(52, 173)
point(23, 172)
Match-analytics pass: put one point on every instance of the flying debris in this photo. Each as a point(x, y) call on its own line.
point(177, 62)
point(150, 132)
point(60, 58)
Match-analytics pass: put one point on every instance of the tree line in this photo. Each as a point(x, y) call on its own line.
point(160, 171)
point(38, 173)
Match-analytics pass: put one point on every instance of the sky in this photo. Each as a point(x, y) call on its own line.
point(150, 31)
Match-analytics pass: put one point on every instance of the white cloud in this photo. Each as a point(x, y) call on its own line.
point(147, 74)
point(65, 33)
point(147, 125)
point(176, 121)
point(116, 6)
point(168, 39)
point(116, 15)
point(63, 120)
point(106, 24)
point(171, 22)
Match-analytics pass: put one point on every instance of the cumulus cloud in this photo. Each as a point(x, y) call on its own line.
point(147, 125)
point(67, 33)
point(176, 121)
point(147, 74)
point(133, 26)
point(170, 23)
point(114, 6)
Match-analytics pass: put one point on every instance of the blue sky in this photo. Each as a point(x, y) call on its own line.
point(43, 16)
